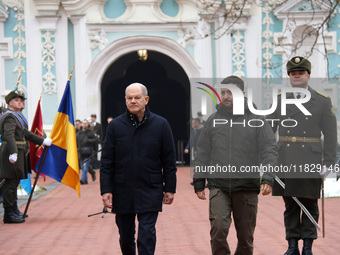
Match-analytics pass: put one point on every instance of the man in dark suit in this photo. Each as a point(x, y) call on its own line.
point(14, 152)
point(300, 147)
point(138, 170)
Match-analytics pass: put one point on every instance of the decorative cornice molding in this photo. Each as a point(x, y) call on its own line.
point(48, 22)
point(137, 11)
point(93, 9)
point(76, 18)
point(282, 41)
point(47, 7)
point(16, 5)
point(236, 12)
point(316, 16)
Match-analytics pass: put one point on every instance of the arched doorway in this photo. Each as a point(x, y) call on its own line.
point(168, 86)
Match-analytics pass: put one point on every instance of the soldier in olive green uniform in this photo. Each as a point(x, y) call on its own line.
point(14, 151)
point(300, 147)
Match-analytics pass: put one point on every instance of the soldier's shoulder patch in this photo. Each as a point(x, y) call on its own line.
point(322, 94)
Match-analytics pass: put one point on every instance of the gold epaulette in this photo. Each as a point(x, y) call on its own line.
point(322, 94)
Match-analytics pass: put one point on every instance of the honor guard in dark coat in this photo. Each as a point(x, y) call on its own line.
point(14, 153)
point(301, 150)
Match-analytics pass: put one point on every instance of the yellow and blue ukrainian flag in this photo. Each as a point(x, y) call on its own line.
point(61, 159)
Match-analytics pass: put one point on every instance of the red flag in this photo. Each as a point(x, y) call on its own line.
point(37, 128)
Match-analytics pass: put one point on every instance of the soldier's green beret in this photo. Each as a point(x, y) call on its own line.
point(299, 63)
point(14, 94)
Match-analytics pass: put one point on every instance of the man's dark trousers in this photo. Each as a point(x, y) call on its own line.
point(297, 223)
point(146, 241)
point(9, 191)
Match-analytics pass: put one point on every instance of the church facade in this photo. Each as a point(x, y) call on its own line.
point(167, 45)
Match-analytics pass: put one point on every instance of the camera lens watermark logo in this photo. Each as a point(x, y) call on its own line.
point(209, 93)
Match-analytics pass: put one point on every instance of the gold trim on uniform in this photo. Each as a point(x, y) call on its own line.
point(298, 139)
point(320, 93)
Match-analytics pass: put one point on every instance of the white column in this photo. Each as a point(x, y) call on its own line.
point(83, 102)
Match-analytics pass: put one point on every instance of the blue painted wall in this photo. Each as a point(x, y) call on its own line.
point(170, 8)
point(114, 8)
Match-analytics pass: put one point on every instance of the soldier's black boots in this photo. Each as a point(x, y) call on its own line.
point(293, 247)
point(11, 217)
point(17, 211)
point(307, 246)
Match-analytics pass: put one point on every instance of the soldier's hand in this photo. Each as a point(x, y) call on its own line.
point(13, 158)
point(47, 142)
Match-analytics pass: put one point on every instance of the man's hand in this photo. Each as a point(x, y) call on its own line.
point(266, 189)
point(107, 200)
point(168, 198)
point(201, 195)
point(186, 151)
point(13, 158)
point(47, 142)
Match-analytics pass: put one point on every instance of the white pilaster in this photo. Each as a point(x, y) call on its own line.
point(81, 48)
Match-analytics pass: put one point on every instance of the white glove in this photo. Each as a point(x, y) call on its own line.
point(47, 142)
point(325, 172)
point(13, 158)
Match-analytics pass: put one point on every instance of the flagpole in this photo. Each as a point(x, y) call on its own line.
point(35, 181)
point(69, 78)
point(18, 81)
point(323, 207)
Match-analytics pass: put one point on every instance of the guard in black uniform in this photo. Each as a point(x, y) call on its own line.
point(301, 149)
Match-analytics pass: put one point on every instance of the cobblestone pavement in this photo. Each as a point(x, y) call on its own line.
point(58, 223)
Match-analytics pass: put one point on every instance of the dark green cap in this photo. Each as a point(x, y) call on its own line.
point(299, 63)
point(14, 94)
